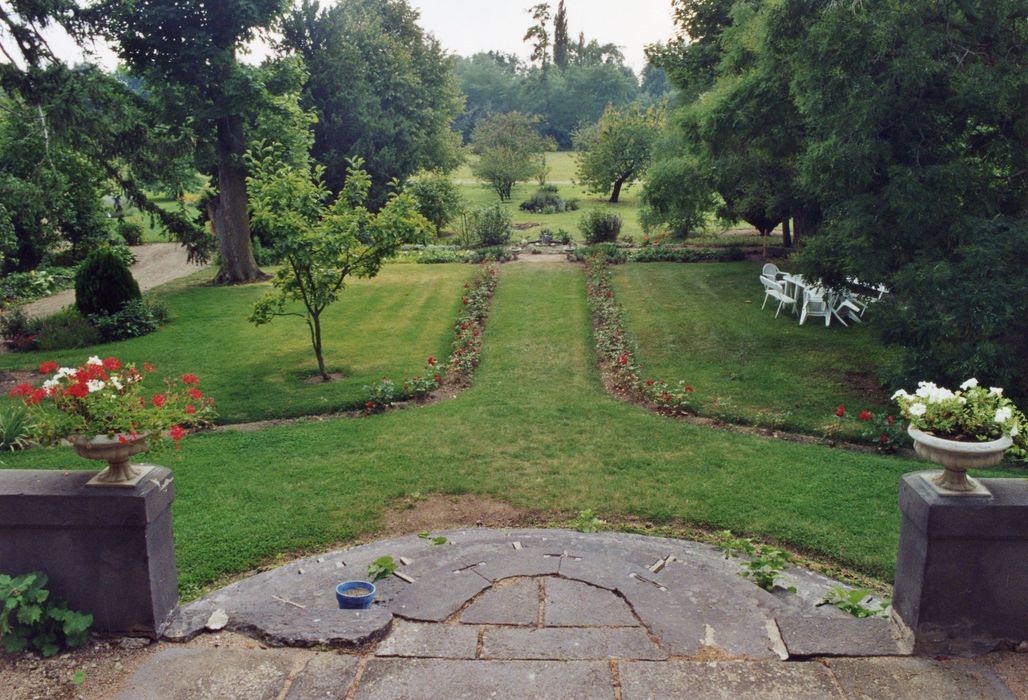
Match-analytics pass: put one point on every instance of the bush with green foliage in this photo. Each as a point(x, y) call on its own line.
point(104, 284)
point(17, 330)
point(29, 617)
point(41, 282)
point(64, 330)
point(16, 427)
point(547, 200)
point(138, 317)
point(491, 226)
point(130, 232)
point(438, 199)
point(496, 253)
point(600, 227)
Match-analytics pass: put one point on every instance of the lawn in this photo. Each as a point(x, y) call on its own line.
point(703, 324)
point(535, 429)
point(382, 327)
point(563, 165)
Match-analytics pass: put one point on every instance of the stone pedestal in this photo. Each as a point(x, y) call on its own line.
point(108, 552)
point(962, 567)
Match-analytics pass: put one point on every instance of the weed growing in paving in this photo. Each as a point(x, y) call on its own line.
point(588, 522)
point(381, 568)
point(763, 563)
point(858, 602)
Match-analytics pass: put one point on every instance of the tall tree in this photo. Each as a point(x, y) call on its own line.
point(539, 34)
point(509, 148)
point(561, 41)
point(190, 47)
point(382, 89)
point(615, 151)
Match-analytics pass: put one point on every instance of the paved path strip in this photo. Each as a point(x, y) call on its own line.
point(156, 264)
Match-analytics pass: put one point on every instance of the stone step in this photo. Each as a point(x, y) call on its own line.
point(569, 643)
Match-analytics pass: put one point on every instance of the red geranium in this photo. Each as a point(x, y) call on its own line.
point(190, 379)
point(840, 411)
point(866, 415)
point(49, 367)
point(195, 393)
point(158, 400)
point(112, 364)
point(177, 432)
point(431, 360)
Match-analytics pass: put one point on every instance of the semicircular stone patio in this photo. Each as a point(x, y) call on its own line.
point(543, 594)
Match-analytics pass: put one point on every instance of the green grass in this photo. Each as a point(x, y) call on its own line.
point(536, 429)
point(382, 327)
point(703, 324)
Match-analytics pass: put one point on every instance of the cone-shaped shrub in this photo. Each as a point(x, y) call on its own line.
point(104, 284)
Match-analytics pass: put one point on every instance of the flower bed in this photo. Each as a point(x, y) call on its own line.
point(617, 355)
point(464, 357)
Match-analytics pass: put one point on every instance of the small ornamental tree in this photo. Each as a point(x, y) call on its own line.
point(615, 151)
point(438, 199)
point(509, 150)
point(104, 284)
point(321, 242)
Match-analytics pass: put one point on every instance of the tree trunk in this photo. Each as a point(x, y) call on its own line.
point(786, 233)
point(617, 190)
point(229, 215)
point(316, 337)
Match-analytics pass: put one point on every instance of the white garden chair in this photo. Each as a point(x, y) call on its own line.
point(771, 272)
point(815, 306)
point(844, 304)
point(774, 290)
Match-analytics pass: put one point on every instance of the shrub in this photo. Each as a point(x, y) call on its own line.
point(131, 232)
point(104, 284)
point(18, 331)
point(493, 254)
point(490, 226)
point(438, 198)
point(138, 317)
point(30, 617)
point(25, 286)
point(599, 227)
point(66, 329)
point(547, 201)
point(16, 428)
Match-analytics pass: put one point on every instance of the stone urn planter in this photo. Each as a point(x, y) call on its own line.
point(956, 458)
point(117, 454)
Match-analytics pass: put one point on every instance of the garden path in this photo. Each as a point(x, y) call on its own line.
point(156, 264)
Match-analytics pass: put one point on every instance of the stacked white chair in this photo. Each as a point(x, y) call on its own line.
point(775, 290)
point(815, 306)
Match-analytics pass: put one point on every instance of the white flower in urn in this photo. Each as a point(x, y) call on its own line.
point(917, 409)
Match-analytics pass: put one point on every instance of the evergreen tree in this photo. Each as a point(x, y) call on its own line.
point(561, 42)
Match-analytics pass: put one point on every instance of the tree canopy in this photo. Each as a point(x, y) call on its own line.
point(615, 151)
point(509, 150)
point(381, 87)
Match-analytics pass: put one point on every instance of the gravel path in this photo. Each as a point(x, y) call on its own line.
point(155, 264)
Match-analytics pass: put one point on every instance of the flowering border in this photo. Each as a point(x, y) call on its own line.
point(617, 354)
point(464, 356)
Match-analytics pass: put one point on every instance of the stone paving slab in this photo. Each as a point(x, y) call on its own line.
point(917, 679)
point(325, 677)
point(1012, 668)
point(569, 643)
point(430, 679)
point(531, 561)
point(700, 609)
point(572, 603)
point(511, 603)
point(209, 674)
point(431, 641)
point(807, 635)
point(727, 680)
point(441, 593)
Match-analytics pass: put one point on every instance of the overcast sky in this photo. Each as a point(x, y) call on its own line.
point(467, 26)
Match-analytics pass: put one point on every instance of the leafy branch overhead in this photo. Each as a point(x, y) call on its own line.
point(322, 242)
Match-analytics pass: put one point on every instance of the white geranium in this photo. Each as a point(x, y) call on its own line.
point(900, 393)
point(94, 385)
point(1003, 414)
point(94, 360)
point(917, 409)
point(969, 384)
